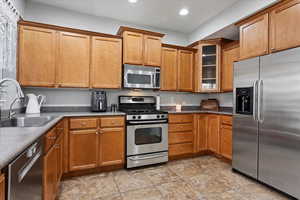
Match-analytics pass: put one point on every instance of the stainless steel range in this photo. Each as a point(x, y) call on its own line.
point(147, 131)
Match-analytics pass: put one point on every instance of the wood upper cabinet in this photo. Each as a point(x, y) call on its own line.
point(152, 50)
point(83, 149)
point(284, 26)
point(133, 48)
point(185, 70)
point(73, 60)
point(37, 50)
point(2, 187)
point(106, 62)
point(254, 37)
point(213, 133)
point(50, 172)
point(112, 146)
point(169, 69)
point(230, 54)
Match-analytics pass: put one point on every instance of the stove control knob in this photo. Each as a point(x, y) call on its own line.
point(158, 116)
point(133, 117)
point(139, 117)
point(162, 116)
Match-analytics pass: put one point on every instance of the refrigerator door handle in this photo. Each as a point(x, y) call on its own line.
point(260, 100)
point(255, 116)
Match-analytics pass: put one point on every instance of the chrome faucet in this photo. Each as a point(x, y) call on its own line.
point(20, 95)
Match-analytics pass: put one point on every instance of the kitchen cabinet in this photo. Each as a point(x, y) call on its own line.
point(37, 51)
point(112, 145)
point(83, 149)
point(181, 135)
point(201, 139)
point(133, 47)
point(106, 69)
point(152, 52)
point(284, 26)
point(59, 149)
point(230, 54)
point(2, 187)
point(141, 47)
point(169, 69)
point(73, 62)
point(207, 69)
point(185, 70)
point(226, 137)
point(213, 133)
point(254, 37)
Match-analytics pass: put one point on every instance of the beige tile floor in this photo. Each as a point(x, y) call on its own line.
point(203, 178)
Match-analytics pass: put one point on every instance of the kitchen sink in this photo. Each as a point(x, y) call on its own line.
point(26, 121)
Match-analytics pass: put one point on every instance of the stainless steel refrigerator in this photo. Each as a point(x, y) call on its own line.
point(266, 120)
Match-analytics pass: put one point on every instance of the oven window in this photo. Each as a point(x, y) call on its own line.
point(139, 79)
point(148, 135)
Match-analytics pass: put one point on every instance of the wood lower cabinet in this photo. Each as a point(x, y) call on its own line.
point(133, 47)
point(230, 54)
point(37, 57)
point(226, 137)
point(254, 37)
point(152, 50)
point(185, 71)
point(201, 135)
point(284, 26)
point(2, 187)
point(169, 69)
point(213, 133)
point(111, 147)
point(106, 69)
point(73, 62)
point(83, 149)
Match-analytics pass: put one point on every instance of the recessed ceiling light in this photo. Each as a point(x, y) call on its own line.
point(132, 1)
point(183, 12)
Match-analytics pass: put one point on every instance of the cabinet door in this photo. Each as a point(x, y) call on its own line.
point(185, 70)
point(37, 49)
point(50, 174)
point(254, 37)
point(59, 148)
point(169, 69)
point(152, 50)
point(73, 60)
point(202, 133)
point(133, 44)
point(284, 26)
point(2, 187)
point(226, 141)
point(83, 149)
point(213, 129)
point(112, 146)
point(106, 62)
point(229, 56)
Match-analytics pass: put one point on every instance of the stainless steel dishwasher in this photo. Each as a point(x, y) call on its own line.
point(25, 174)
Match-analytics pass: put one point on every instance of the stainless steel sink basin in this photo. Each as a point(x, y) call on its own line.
point(26, 121)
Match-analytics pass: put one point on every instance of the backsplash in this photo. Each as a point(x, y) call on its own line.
point(82, 97)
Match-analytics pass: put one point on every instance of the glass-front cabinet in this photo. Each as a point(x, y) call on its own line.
point(208, 67)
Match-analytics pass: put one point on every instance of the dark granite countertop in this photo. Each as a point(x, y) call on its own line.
point(196, 109)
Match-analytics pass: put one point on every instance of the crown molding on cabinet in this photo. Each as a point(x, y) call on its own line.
point(125, 28)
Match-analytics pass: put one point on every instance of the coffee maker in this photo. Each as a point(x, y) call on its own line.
point(99, 101)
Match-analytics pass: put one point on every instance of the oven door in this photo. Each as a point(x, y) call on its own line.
point(147, 138)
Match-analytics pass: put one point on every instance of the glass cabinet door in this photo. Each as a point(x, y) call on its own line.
point(209, 67)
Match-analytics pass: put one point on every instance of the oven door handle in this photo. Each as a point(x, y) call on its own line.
point(146, 158)
point(149, 122)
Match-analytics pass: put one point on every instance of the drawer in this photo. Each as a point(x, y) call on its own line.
point(180, 137)
point(50, 139)
point(83, 123)
point(180, 127)
point(180, 149)
point(227, 120)
point(181, 118)
point(111, 122)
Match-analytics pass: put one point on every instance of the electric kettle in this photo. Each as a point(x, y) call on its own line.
point(34, 103)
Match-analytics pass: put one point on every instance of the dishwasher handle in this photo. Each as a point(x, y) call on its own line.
point(26, 168)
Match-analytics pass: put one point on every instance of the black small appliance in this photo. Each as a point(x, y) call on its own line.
point(99, 101)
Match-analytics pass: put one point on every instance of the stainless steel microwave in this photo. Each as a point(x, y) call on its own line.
point(141, 77)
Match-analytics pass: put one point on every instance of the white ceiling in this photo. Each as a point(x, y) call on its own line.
point(161, 14)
